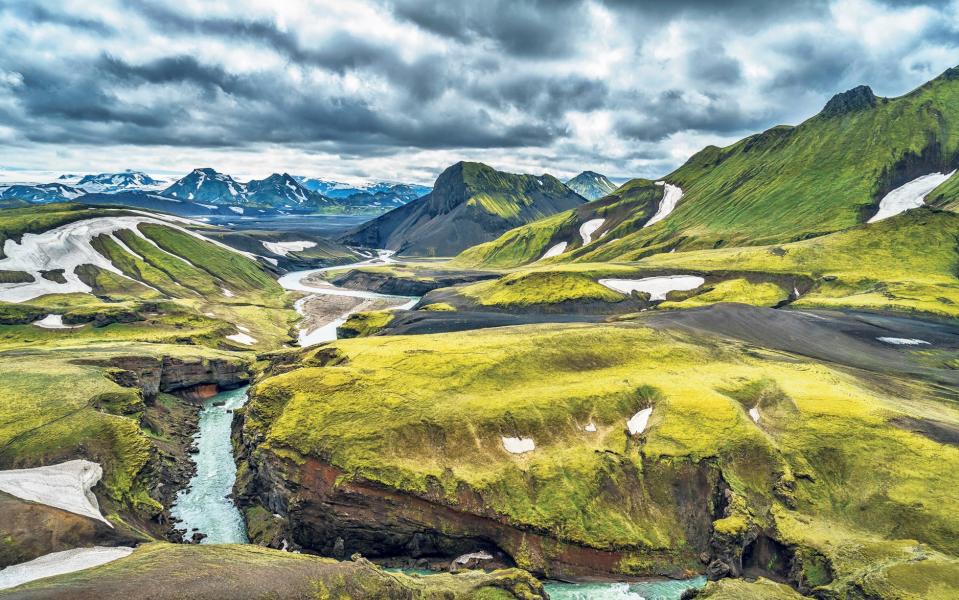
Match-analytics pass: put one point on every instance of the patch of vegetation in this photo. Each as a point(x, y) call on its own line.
point(734, 290)
point(527, 288)
point(362, 324)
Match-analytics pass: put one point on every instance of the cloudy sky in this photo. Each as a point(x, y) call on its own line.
point(399, 89)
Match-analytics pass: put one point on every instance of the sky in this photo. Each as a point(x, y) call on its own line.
point(400, 89)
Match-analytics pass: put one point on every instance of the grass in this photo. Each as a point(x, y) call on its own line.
point(365, 323)
point(527, 288)
point(425, 414)
point(735, 290)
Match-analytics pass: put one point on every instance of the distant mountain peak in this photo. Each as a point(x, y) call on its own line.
point(858, 98)
point(591, 185)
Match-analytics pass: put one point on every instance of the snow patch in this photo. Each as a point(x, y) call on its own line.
point(54, 322)
point(656, 287)
point(227, 292)
point(465, 558)
point(895, 341)
point(554, 251)
point(587, 229)
point(65, 486)
point(909, 195)
point(58, 563)
point(242, 338)
point(284, 248)
point(672, 194)
point(590, 427)
point(637, 424)
point(754, 414)
point(518, 445)
point(235, 209)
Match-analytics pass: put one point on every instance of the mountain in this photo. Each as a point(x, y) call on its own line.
point(787, 183)
point(282, 191)
point(153, 201)
point(43, 193)
point(377, 194)
point(470, 203)
point(117, 182)
point(206, 185)
point(591, 185)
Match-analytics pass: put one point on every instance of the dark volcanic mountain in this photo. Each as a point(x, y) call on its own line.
point(470, 203)
point(591, 185)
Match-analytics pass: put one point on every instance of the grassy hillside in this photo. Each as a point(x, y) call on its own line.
point(623, 211)
point(470, 203)
point(784, 184)
point(824, 472)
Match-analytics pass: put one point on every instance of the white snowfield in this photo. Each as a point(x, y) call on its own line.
point(65, 486)
point(672, 194)
point(242, 338)
point(909, 195)
point(68, 246)
point(554, 251)
point(284, 248)
point(518, 445)
point(465, 558)
point(587, 229)
point(54, 322)
point(58, 563)
point(656, 287)
point(895, 341)
point(637, 424)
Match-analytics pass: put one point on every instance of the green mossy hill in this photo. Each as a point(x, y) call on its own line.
point(56, 405)
point(623, 211)
point(470, 203)
point(539, 287)
point(823, 472)
point(908, 262)
point(162, 571)
point(789, 183)
point(362, 324)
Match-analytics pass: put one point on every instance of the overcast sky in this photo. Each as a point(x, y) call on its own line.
point(400, 89)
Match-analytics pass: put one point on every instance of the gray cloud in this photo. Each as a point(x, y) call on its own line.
point(522, 80)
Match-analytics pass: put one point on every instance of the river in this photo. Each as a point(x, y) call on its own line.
point(206, 504)
point(295, 281)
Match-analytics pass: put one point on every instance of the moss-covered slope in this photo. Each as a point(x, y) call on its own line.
point(167, 572)
point(410, 430)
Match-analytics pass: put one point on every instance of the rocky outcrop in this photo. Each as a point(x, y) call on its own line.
point(856, 99)
point(168, 374)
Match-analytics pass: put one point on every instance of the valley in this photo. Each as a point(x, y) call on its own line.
point(738, 380)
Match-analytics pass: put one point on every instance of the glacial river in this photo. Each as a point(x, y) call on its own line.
point(206, 504)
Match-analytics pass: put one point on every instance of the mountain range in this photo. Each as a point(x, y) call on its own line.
point(205, 191)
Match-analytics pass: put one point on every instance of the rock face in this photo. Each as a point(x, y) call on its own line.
point(470, 203)
point(174, 375)
point(327, 512)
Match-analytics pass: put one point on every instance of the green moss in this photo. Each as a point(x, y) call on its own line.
point(733, 526)
point(738, 589)
point(439, 307)
point(365, 323)
point(734, 290)
point(539, 287)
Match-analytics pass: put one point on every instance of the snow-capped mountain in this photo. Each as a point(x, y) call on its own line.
point(591, 185)
point(207, 185)
point(42, 193)
point(282, 191)
point(116, 182)
point(377, 193)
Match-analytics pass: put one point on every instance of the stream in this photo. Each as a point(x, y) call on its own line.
point(207, 507)
point(295, 282)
